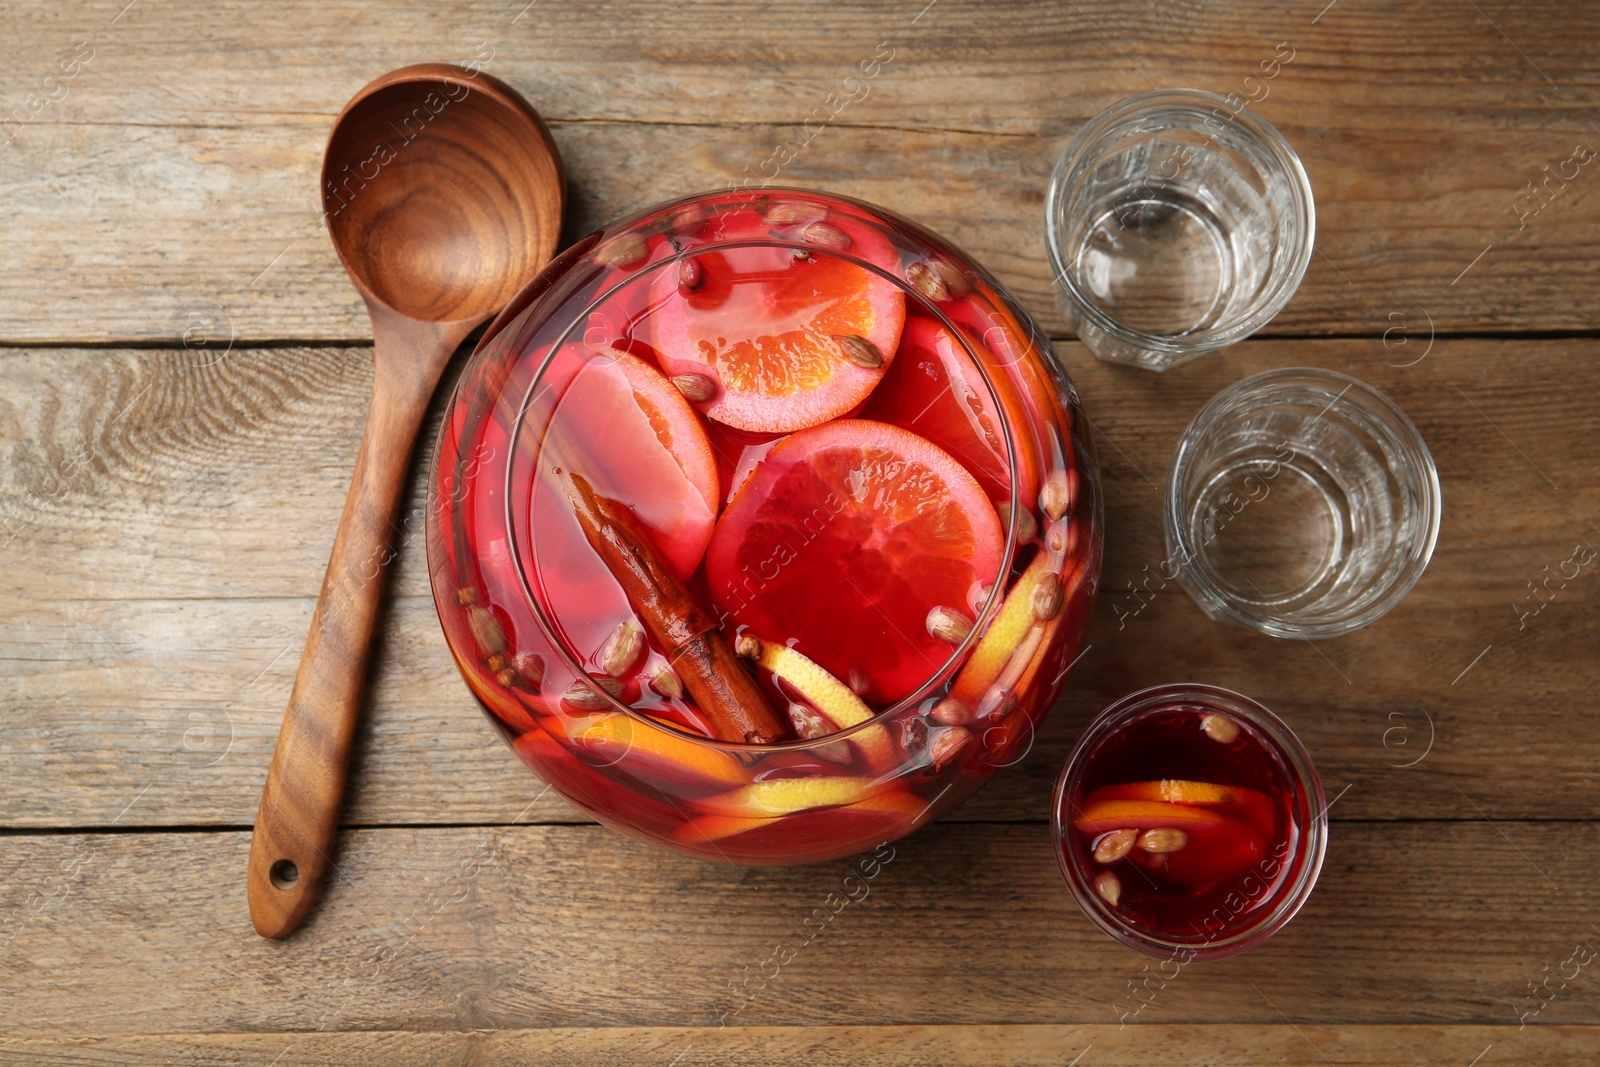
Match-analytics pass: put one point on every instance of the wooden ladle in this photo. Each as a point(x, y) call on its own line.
point(443, 193)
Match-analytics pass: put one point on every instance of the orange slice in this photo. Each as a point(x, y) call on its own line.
point(635, 438)
point(836, 702)
point(1176, 791)
point(842, 542)
point(712, 827)
point(1236, 801)
point(1004, 636)
point(934, 388)
point(786, 796)
point(1217, 846)
point(788, 341)
point(652, 753)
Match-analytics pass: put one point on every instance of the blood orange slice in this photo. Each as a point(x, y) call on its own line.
point(637, 440)
point(788, 340)
point(934, 388)
point(842, 541)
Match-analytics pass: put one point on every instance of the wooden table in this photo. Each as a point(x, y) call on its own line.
point(182, 384)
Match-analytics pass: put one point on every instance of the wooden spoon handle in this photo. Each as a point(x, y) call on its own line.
point(299, 814)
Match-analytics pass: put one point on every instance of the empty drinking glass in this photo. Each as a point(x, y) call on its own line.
point(1301, 502)
point(1176, 225)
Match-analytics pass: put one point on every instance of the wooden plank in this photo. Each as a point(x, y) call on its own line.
point(733, 61)
point(132, 219)
point(165, 474)
point(180, 709)
point(1037, 1045)
point(116, 935)
point(163, 584)
point(170, 709)
point(164, 518)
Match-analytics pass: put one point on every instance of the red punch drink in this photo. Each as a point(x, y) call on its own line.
point(1190, 822)
point(764, 526)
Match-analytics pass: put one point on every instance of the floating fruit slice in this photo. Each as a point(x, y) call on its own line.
point(653, 753)
point(1235, 801)
point(1005, 635)
point(1174, 791)
point(843, 540)
point(1103, 816)
point(635, 438)
point(537, 748)
point(787, 341)
point(834, 700)
point(1215, 845)
point(1077, 571)
point(1006, 345)
point(904, 809)
point(832, 697)
point(785, 796)
point(934, 388)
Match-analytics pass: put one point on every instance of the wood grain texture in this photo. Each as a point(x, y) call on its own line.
point(301, 801)
point(165, 517)
point(166, 192)
point(483, 928)
point(403, 155)
point(1022, 1045)
point(162, 583)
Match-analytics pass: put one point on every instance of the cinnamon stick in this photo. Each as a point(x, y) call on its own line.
point(711, 672)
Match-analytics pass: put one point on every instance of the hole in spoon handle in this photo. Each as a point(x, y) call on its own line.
point(288, 865)
point(283, 874)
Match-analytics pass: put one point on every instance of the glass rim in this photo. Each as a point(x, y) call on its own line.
point(1314, 836)
point(1276, 146)
point(993, 600)
point(1397, 582)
